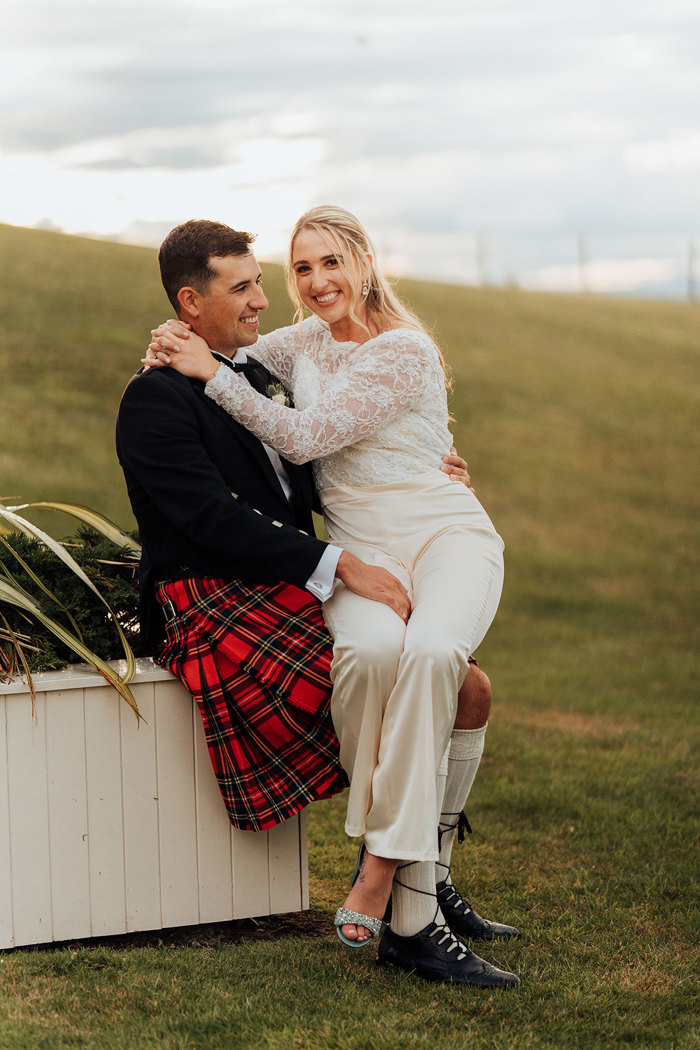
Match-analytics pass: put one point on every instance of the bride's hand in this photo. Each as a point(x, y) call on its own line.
point(157, 355)
point(174, 345)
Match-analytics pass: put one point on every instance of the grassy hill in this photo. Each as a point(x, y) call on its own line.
point(577, 417)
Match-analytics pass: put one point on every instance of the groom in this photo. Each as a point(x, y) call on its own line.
point(231, 576)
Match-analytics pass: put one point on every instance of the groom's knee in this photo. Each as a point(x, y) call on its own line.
point(474, 700)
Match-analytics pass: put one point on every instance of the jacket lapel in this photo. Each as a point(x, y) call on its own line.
point(254, 446)
point(299, 475)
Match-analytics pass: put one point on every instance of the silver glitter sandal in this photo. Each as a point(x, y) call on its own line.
point(344, 917)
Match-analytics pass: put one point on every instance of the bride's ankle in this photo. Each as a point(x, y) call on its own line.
point(376, 875)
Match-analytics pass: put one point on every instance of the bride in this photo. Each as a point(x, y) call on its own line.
point(370, 400)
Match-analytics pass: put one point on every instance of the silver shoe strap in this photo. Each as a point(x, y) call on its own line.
point(344, 917)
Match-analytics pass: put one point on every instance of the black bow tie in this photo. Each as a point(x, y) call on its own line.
point(243, 366)
point(238, 366)
point(251, 369)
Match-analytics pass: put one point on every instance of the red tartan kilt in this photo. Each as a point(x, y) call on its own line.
point(257, 661)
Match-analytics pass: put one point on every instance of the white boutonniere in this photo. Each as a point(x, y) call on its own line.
point(279, 394)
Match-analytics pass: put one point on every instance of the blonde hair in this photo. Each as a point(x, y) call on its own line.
point(349, 241)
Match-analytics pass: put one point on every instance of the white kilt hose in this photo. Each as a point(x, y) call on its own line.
point(395, 685)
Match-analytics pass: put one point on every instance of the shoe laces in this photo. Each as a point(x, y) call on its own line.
point(454, 898)
point(447, 935)
point(414, 889)
point(438, 928)
point(462, 825)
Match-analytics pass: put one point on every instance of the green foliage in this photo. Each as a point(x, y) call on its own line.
point(111, 569)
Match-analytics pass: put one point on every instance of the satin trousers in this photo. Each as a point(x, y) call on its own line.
point(395, 685)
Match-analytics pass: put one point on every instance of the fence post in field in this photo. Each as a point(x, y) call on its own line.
point(692, 264)
point(582, 246)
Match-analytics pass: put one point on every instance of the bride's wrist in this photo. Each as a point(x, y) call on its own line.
point(211, 370)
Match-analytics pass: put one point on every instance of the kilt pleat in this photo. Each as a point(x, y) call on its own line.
point(257, 661)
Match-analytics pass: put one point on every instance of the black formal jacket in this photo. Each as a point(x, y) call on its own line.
point(205, 494)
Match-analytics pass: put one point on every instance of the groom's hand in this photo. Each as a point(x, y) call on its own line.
point(371, 581)
point(457, 468)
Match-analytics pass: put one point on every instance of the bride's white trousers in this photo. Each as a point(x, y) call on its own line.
point(395, 685)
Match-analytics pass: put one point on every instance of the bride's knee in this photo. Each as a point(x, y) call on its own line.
point(439, 650)
point(368, 655)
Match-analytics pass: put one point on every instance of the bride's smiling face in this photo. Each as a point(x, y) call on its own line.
point(320, 281)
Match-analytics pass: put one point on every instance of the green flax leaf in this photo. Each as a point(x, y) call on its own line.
point(89, 517)
point(29, 529)
point(17, 597)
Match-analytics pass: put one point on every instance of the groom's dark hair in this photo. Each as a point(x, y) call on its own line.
point(185, 253)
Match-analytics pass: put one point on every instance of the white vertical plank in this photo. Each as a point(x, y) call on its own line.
point(105, 814)
point(177, 811)
point(285, 867)
point(68, 826)
point(137, 850)
point(29, 820)
point(140, 801)
point(7, 938)
point(213, 835)
point(249, 861)
point(304, 859)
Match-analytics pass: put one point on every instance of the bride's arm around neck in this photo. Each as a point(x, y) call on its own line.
point(280, 349)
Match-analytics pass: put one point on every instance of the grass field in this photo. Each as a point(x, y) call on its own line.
point(576, 415)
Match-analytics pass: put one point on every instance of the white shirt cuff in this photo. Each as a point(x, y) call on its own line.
point(321, 582)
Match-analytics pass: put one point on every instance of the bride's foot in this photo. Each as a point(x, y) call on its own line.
point(370, 894)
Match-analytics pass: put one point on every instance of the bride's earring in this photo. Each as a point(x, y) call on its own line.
point(365, 287)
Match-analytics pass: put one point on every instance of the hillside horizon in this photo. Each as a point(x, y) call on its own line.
point(652, 294)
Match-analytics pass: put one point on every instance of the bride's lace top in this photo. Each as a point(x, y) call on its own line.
point(367, 413)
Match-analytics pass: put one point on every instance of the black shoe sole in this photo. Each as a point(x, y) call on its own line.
point(436, 978)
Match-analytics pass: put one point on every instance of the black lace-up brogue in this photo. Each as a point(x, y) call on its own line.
point(435, 954)
point(465, 922)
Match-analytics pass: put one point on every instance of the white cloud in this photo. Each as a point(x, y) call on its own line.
point(679, 151)
point(531, 122)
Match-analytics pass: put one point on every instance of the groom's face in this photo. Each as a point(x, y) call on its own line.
point(228, 311)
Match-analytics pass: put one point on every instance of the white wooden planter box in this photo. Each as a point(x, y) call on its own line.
point(108, 827)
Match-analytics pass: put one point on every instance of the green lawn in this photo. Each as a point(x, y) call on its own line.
point(576, 416)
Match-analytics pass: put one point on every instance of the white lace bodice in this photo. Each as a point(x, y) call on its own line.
point(367, 413)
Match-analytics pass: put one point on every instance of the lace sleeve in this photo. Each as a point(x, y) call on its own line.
point(388, 379)
point(278, 351)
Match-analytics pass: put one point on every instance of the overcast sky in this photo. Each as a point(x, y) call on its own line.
point(444, 124)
